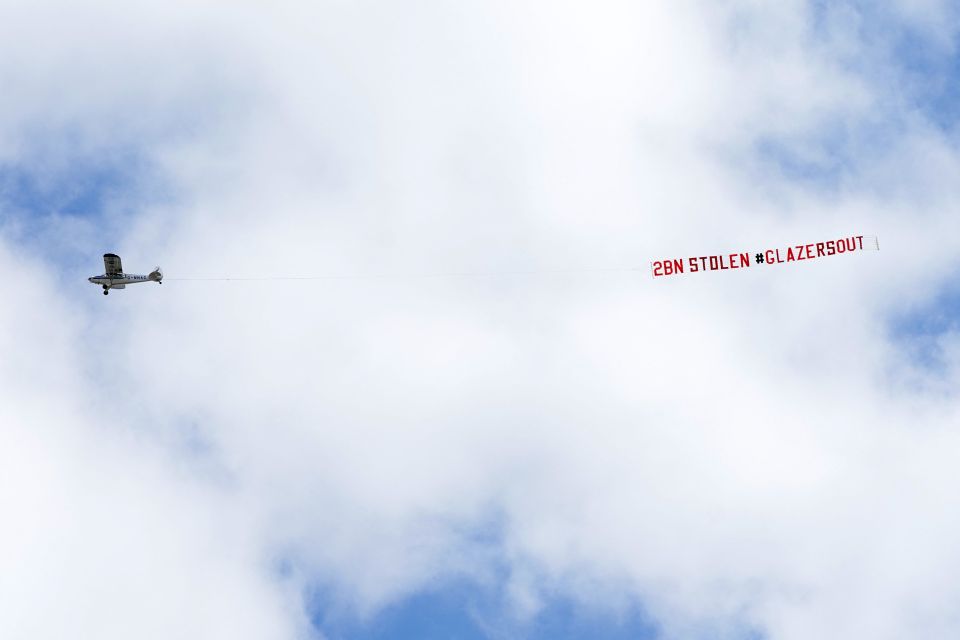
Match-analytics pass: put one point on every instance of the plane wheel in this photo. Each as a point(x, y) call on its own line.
point(105, 292)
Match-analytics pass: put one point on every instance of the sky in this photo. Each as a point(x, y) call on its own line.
point(543, 441)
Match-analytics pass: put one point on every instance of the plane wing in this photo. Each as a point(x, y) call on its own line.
point(111, 263)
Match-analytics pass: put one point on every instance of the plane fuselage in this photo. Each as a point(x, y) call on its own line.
point(118, 279)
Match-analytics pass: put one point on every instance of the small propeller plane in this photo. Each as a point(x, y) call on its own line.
point(115, 278)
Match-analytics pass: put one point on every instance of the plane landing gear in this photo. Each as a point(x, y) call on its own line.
point(105, 292)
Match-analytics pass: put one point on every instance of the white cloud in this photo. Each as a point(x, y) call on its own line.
point(104, 535)
point(729, 448)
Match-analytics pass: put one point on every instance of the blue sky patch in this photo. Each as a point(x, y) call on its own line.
point(464, 611)
point(911, 67)
point(931, 78)
point(912, 74)
point(918, 331)
point(62, 200)
point(85, 185)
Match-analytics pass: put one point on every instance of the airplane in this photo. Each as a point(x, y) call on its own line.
point(115, 278)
